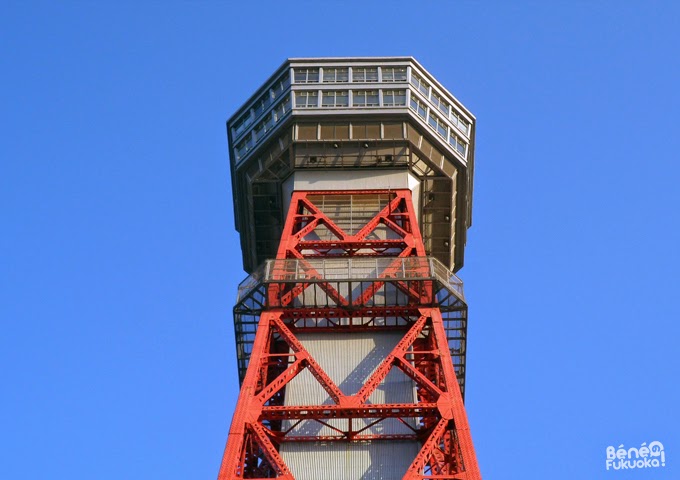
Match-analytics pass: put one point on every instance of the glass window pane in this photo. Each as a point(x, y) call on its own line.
point(328, 99)
point(461, 149)
point(464, 126)
point(306, 75)
point(388, 74)
point(334, 99)
point(306, 99)
point(372, 98)
point(242, 124)
point(334, 75)
point(372, 74)
point(420, 84)
point(418, 107)
point(365, 74)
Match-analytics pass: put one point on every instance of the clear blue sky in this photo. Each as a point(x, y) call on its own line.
point(119, 261)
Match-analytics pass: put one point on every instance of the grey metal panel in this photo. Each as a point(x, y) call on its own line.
point(349, 461)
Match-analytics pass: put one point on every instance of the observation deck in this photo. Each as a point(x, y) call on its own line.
point(351, 124)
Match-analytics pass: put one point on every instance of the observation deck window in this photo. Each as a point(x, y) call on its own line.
point(438, 125)
point(264, 126)
point(460, 123)
point(279, 87)
point(440, 104)
point(262, 104)
point(335, 99)
point(244, 147)
point(418, 107)
point(306, 99)
point(394, 98)
point(458, 144)
point(259, 131)
point(394, 74)
point(420, 84)
point(306, 75)
point(365, 98)
point(281, 109)
point(335, 75)
point(269, 122)
point(365, 74)
point(242, 123)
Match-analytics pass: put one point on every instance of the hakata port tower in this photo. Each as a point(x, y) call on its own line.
point(352, 182)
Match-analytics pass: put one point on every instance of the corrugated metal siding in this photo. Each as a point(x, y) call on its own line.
point(349, 461)
point(349, 359)
point(350, 215)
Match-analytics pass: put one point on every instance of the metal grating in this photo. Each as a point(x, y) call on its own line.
point(351, 276)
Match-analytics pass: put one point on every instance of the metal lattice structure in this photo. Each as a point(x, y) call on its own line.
point(350, 370)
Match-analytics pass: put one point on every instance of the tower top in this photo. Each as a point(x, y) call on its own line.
point(350, 123)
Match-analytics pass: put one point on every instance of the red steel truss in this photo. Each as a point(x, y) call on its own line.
point(262, 423)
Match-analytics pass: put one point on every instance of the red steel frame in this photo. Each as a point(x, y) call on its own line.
point(278, 356)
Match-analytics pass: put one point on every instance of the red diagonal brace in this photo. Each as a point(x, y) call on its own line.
point(384, 368)
point(331, 388)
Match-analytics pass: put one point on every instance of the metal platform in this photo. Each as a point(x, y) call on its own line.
point(351, 278)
